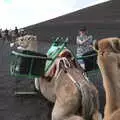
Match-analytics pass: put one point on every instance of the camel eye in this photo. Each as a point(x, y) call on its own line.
point(29, 38)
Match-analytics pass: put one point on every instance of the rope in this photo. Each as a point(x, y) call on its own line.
point(87, 56)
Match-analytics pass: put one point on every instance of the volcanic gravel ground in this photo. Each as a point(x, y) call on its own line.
point(18, 107)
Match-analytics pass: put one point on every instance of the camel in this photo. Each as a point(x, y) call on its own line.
point(108, 60)
point(74, 96)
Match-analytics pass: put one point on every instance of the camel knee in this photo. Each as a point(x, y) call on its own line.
point(37, 84)
point(69, 117)
point(56, 116)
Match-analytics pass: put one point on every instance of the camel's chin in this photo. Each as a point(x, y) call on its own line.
point(20, 48)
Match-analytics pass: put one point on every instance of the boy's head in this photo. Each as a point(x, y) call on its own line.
point(82, 29)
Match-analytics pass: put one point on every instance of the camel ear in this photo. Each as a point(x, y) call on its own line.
point(116, 44)
point(95, 45)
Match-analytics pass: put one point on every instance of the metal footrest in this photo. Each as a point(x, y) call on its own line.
point(25, 93)
point(25, 87)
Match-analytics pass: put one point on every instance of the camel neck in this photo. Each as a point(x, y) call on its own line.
point(111, 97)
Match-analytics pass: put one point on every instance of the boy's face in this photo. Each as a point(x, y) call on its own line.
point(82, 32)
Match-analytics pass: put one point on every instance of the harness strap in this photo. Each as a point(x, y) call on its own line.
point(65, 63)
point(87, 103)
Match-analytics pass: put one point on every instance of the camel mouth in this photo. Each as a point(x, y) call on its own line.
point(20, 48)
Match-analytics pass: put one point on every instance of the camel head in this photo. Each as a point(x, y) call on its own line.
point(108, 50)
point(107, 45)
point(24, 42)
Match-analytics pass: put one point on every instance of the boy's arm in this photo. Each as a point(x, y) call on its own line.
point(89, 38)
point(80, 42)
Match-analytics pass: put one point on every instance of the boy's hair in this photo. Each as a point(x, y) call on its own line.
point(83, 28)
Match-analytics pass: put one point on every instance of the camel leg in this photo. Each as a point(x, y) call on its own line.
point(64, 111)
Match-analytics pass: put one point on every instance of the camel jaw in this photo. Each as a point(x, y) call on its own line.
point(20, 48)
